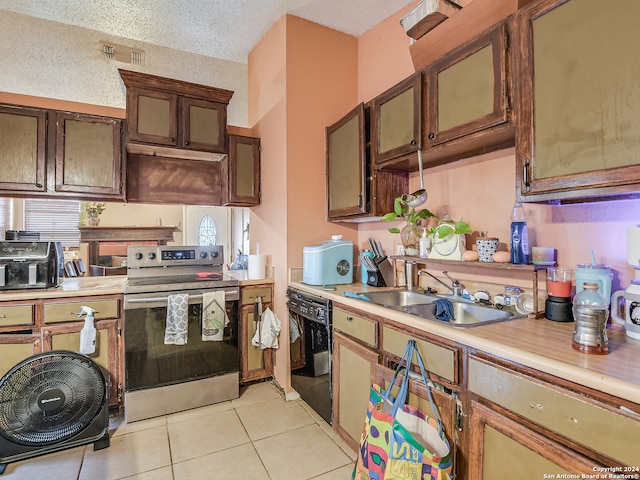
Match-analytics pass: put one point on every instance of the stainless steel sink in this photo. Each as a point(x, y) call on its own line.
point(465, 312)
point(398, 298)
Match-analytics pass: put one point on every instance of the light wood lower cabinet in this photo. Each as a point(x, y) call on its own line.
point(67, 337)
point(503, 448)
point(28, 327)
point(354, 367)
point(575, 429)
point(255, 363)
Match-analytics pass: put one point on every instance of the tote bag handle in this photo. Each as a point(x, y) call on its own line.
point(400, 399)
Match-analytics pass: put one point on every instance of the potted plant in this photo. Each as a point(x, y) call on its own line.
point(90, 212)
point(410, 234)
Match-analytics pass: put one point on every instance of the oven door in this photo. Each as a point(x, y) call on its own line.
point(149, 363)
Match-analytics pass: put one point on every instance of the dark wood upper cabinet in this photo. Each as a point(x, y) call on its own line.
point(355, 188)
point(396, 124)
point(578, 130)
point(347, 158)
point(241, 172)
point(55, 153)
point(175, 114)
point(466, 100)
point(88, 155)
point(23, 150)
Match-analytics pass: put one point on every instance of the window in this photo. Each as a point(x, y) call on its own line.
point(207, 231)
point(6, 214)
point(56, 220)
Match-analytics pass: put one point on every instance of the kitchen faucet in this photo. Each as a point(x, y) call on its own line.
point(456, 287)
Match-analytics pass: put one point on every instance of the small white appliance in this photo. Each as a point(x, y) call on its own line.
point(328, 263)
point(631, 295)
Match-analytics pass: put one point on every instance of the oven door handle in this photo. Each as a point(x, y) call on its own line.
point(232, 295)
point(158, 299)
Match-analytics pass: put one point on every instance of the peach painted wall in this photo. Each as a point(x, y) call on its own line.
point(302, 77)
point(481, 190)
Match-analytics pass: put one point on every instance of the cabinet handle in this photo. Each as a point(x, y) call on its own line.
point(349, 319)
point(3, 316)
point(38, 185)
point(525, 175)
point(171, 139)
point(431, 136)
point(359, 200)
point(186, 142)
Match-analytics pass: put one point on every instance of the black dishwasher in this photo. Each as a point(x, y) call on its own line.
point(311, 350)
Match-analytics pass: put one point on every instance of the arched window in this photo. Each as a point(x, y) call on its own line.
point(207, 231)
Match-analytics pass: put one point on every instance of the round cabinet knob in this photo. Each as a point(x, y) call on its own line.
point(431, 135)
point(138, 256)
point(203, 254)
point(214, 254)
point(151, 256)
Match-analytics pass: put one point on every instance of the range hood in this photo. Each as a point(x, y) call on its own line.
point(171, 152)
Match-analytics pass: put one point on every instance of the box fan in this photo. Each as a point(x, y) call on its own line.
point(52, 401)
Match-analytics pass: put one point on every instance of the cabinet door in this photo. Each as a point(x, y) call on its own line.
point(256, 363)
point(579, 113)
point(503, 448)
point(353, 372)
point(67, 337)
point(203, 125)
point(89, 155)
point(15, 347)
point(466, 101)
point(23, 149)
point(241, 171)
point(152, 116)
point(347, 165)
point(396, 122)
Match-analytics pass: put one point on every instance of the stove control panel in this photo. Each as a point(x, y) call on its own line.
point(165, 256)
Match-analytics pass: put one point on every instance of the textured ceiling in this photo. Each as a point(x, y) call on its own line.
point(226, 29)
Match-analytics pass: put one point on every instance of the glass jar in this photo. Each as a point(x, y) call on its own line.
point(511, 295)
point(590, 313)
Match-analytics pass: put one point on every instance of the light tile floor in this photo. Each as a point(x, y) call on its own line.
point(258, 436)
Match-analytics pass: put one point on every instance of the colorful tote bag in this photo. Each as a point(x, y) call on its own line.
point(400, 442)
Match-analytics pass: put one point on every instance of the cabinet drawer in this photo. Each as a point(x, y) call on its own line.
point(439, 359)
point(587, 423)
point(16, 315)
point(68, 311)
point(248, 295)
point(357, 327)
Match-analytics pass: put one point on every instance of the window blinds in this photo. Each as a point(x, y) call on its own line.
point(56, 220)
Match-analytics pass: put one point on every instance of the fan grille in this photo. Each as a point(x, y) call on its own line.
point(50, 397)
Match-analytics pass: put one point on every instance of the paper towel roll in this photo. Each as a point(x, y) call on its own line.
point(633, 245)
point(257, 267)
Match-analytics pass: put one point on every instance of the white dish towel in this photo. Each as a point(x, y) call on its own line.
point(214, 316)
point(177, 326)
point(266, 335)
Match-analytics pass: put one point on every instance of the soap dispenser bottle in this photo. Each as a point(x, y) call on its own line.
point(88, 332)
point(519, 236)
point(425, 244)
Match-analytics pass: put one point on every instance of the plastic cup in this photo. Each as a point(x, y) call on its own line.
point(559, 282)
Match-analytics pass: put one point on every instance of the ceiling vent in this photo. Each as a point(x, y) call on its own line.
point(120, 53)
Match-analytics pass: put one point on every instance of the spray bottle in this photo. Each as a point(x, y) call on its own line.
point(88, 332)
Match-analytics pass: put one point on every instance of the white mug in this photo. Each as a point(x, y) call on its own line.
point(631, 321)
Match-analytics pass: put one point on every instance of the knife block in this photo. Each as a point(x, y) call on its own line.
point(382, 276)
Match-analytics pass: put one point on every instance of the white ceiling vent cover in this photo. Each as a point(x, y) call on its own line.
point(120, 53)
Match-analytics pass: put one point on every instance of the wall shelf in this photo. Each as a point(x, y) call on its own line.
point(530, 273)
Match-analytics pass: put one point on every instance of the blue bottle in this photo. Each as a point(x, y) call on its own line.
point(519, 236)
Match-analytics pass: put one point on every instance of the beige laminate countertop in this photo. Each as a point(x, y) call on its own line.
point(537, 343)
point(71, 287)
point(109, 285)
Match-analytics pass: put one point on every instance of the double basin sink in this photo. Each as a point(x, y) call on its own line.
point(465, 313)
